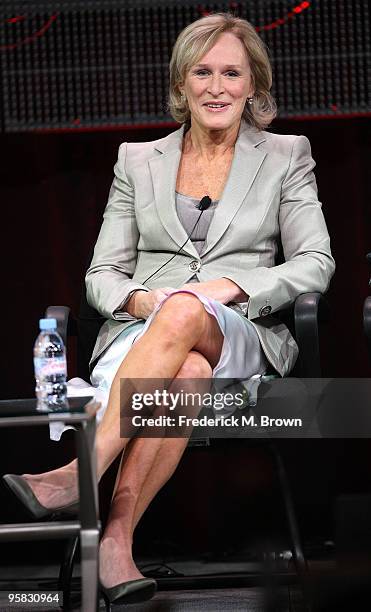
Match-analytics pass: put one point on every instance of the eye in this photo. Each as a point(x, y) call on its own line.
point(232, 73)
point(201, 72)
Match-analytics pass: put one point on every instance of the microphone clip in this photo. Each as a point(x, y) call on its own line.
point(204, 203)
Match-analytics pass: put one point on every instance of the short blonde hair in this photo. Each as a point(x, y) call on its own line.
point(197, 39)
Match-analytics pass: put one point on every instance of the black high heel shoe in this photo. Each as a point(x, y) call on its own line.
point(22, 490)
point(133, 591)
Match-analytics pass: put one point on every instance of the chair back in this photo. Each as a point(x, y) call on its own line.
point(89, 322)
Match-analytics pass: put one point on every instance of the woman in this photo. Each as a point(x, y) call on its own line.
point(165, 297)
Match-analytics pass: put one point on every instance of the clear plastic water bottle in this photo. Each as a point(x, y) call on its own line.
point(50, 367)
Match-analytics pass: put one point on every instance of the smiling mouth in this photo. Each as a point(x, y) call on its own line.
point(216, 105)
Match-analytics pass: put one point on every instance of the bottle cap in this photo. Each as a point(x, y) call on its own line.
point(48, 324)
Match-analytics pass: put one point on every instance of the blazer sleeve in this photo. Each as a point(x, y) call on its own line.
point(108, 280)
point(306, 244)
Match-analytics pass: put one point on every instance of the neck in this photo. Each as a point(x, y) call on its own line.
point(210, 144)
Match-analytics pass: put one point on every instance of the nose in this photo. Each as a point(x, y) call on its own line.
point(215, 87)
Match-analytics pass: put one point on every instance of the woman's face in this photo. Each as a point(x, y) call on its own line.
point(221, 77)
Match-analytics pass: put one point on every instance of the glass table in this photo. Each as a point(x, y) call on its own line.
point(81, 415)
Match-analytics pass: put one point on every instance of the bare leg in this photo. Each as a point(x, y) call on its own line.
point(182, 324)
point(147, 465)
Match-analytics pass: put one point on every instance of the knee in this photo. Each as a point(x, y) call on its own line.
point(183, 311)
point(195, 366)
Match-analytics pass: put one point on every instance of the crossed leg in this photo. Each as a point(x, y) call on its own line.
point(135, 488)
point(181, 326)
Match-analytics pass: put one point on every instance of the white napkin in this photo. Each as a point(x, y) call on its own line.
point(77, 387)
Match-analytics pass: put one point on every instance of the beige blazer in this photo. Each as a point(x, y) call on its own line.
point(271, 191)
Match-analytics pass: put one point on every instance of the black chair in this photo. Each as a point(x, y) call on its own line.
point(303, 320)
point(367, 315)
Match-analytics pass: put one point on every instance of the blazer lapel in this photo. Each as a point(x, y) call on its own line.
point(164, 170)
point(245, 166)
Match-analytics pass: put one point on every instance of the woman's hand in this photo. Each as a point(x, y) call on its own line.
point(223, 290)
point(143, 303)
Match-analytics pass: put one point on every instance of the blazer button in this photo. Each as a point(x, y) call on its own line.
point(266, 310)
point(194, 266)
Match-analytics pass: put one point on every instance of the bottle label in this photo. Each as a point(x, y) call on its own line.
point(51, 366)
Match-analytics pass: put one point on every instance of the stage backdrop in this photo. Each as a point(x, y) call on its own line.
point(76, 65)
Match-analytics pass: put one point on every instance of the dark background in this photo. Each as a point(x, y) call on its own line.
point(53, 190)
point(102, 65)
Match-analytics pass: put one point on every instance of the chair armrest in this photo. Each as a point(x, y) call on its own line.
point(66, 323)
point(307, 311)
point(367, 321)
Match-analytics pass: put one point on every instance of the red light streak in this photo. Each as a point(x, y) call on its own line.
point(16, 19)
point(299, 8)
point(275, 24)
point(34, 36)
point(203, 11)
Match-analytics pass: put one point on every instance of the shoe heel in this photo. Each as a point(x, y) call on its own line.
point(133, 591)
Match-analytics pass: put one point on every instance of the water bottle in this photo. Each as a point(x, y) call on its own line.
point(50, 367)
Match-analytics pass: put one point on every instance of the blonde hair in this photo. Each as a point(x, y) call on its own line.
point(196, 40)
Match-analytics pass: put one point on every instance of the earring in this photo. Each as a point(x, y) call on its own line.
point(250, 100)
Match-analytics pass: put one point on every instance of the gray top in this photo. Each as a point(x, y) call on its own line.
point(188, 215)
